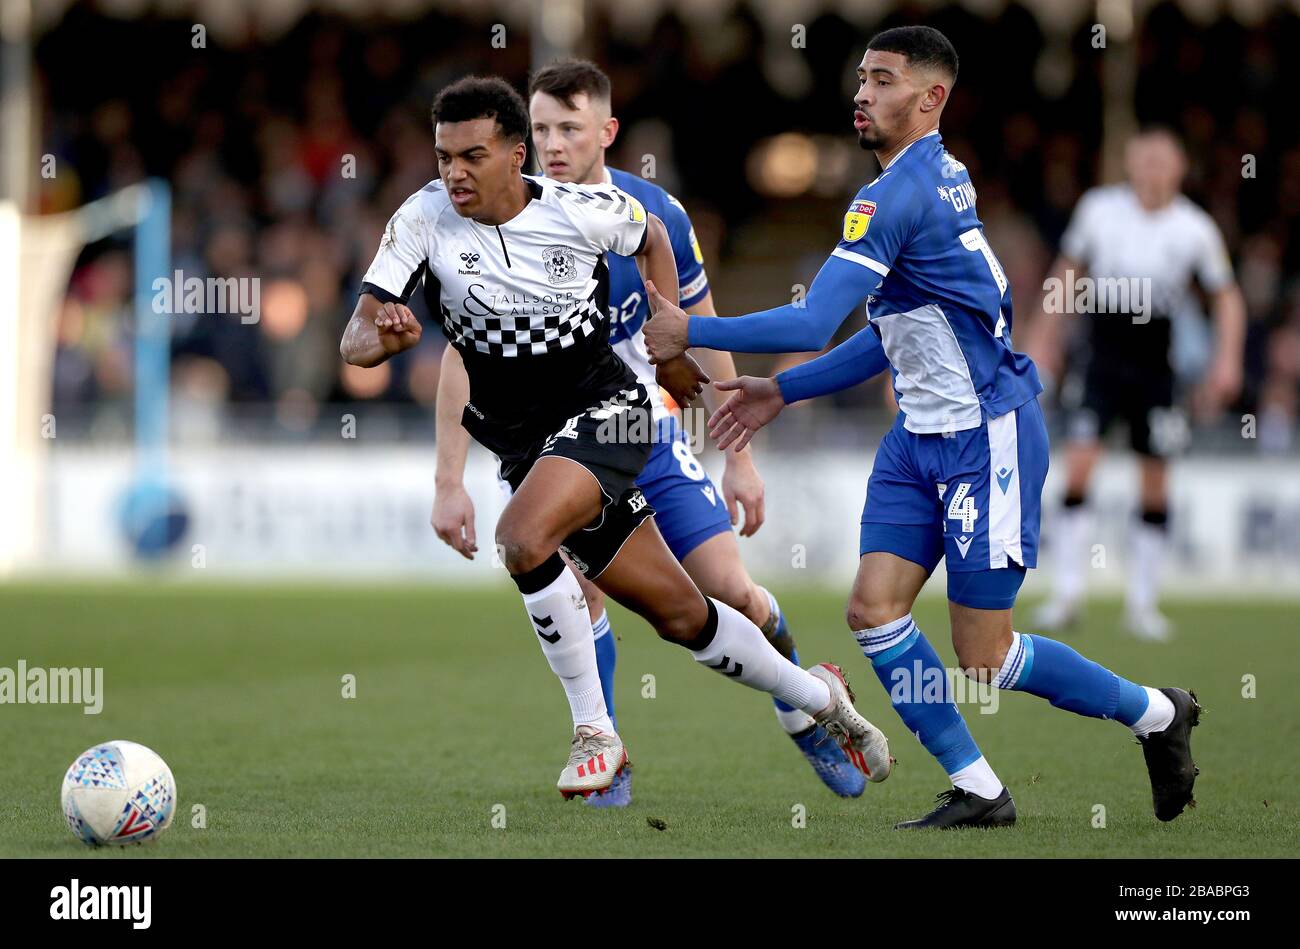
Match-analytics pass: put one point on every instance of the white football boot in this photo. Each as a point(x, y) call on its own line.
point(865, 745)
point(595, 759)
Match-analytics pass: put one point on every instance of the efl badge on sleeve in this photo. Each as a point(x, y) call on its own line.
point(635, 212)
point(858, 219)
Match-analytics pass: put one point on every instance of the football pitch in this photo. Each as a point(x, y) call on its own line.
point(457, 732)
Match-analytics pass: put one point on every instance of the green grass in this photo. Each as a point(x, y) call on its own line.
point(239, 688)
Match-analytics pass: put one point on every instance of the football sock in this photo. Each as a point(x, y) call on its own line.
point(606, 658)
point(1148, 548)
point(735, 647)
point(978, 778)
point(1074, 522)
point(558, 612)
point(1054, 671)
point(792, 720)
point(909, 669)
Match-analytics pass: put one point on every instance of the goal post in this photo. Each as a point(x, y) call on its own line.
point(37, 254)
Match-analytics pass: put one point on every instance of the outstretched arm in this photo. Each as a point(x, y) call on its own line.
point(796, 327)
point(756, 402)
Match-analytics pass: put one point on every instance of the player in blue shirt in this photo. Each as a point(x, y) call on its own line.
point(571, 128)
point(960, 473)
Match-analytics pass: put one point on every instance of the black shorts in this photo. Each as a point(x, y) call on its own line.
point(1127, 377)
point(613, 441)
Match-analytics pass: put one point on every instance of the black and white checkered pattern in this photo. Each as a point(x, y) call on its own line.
point(525, 335)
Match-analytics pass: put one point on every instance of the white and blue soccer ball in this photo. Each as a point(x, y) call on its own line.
point(118, 793)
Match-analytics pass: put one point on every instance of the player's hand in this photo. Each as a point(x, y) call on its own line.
point(743, 488)
point(666, 330)
point(1221, 386)
point(682, 377)
point(755, 403)
point(398, 328)
point(453, 520)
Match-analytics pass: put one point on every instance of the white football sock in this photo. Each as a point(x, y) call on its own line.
point(1147, 552)
point(1070, 533)
point(977, 778)
point(794, 721)
point(740, 651)
point(558, 613)
point(1159, 713)
point(600, 627)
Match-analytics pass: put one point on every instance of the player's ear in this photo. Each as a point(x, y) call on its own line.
point(609, 132)
point(934, 97)
point(520, 155)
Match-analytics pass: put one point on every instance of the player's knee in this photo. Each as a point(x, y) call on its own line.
point(980, 662)
point(739, 593)
point(520, 553)
point(869, 614)
point(682, 623)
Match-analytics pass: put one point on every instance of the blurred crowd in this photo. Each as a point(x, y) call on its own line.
point(286, 160)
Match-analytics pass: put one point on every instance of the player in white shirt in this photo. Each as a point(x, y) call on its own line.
point(1146, 241)
point(515, 266)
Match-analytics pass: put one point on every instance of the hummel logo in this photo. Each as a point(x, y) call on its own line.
point(544, 622)
point(963, 544)
point(1004, 477)
point(469, 260)
point(708, 493)
point(722, 666)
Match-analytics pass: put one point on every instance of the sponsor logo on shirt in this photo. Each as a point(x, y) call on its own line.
point(858, 219)
point(470, 262)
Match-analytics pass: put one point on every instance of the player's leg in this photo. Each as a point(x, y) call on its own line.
point(716, 568)
point(692, 518)
point(556, 498)
point(1146, 553)
point(645, 577)
point(901, 543)
point(620, 791)
point(982, 589)
point(1073, 530)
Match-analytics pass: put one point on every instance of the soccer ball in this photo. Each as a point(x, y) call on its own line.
point(118, 793)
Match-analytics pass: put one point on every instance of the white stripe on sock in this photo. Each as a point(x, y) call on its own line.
point(601, 626)
point(879, 638)
point(1009, 674)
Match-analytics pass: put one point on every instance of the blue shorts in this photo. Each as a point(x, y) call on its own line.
point(689, 509)
point(974, 497)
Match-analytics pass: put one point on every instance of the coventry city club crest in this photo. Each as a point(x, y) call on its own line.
point(561, 267)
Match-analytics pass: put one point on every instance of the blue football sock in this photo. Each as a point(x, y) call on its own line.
point(918, 687)
point(606, 657)
point(1054, 671)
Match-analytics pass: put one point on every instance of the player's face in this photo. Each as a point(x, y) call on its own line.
point(887, 99)
point(1155, 167)
point(570, 142)
point(477, 165)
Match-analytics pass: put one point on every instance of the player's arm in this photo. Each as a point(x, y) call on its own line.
point(377, 331)
point(381, 325)
point(755, 402)
point(881, 220)
point(839, 287)
point(453, 511)
point(682, 375)
point(1045, 339)
point(1223, 380)
point(1222, 383)
point(742, 486)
